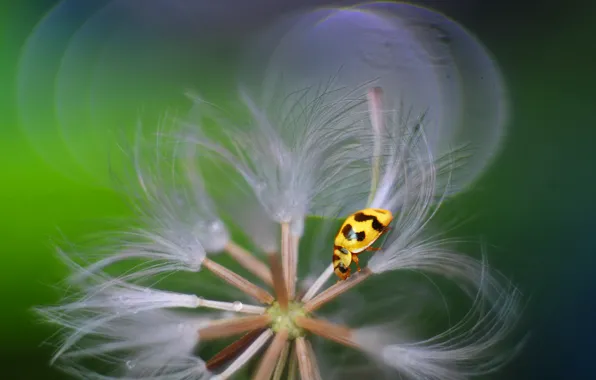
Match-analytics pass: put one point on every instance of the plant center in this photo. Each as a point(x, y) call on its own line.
point(285, 320)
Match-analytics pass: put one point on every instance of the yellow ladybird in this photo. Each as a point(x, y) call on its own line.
point(356, 235)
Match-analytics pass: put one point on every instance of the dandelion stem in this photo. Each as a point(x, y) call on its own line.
point(231, 350)
point(250, 262)
point(294, 243)
point(279, 283)
point(288, 259)
point(335, 290)
point(238, 281)
point(293, 366)
point(307, 362)
point(376, 120)
point(231, 306)
point(303, 359)
point(337, 333)
point(267, 364)
point(223, 328)
point(246, 355)
point(281, 362)
point(318, 284)
point(315, 366)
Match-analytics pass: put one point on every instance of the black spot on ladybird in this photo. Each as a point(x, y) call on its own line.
point(376, 225)
point(348, 232)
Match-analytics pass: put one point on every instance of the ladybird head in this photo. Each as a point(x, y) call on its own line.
point(342, 271)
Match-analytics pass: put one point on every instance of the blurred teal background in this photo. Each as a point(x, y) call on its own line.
point(534, 206)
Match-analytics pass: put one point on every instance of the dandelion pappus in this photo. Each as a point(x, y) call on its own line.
point(356, 235)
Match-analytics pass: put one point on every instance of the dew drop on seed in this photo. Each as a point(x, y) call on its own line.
point(238, 306)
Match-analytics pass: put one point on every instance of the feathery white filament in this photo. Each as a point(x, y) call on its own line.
point(149, 344)
point(172, 194)
point(159, 251)
point(294, 152)
point(210, 230)
point(470, 348)
point(376, 121)
point(408, 156)
point(107, 302)
point(179, 368)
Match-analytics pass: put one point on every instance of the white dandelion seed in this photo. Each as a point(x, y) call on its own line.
point(293, 150)
point(465, 350)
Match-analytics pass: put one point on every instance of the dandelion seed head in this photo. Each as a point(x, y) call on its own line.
point(110, 314)
point(303, 153)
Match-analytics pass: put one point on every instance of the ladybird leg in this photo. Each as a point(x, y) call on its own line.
point(356, 261)
point(372, 249)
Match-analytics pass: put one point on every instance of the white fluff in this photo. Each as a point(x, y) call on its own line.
point(154, 344)
point(97, 306)
point(472, 347)
point(178, 368)
point(175, 224)
point(409, 170)
point(129, 330)
point(408, 187)
point(294, 151)
point(169, 192)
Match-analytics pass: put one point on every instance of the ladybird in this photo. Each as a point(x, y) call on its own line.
point(356, 235)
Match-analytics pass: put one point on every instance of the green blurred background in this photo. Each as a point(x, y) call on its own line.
point(534, 206)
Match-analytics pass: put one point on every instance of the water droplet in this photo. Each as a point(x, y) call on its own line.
point(130, 364)
point(238, 306)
